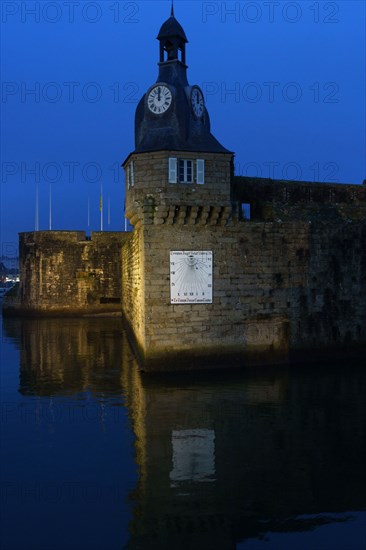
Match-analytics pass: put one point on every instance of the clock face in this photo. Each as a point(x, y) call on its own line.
point(191, 277)
point(197, 101)
point(159, 99)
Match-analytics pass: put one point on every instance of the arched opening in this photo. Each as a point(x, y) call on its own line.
point(171, 51)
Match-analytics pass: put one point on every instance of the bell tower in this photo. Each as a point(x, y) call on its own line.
point(173, 139)
point(178, 200)
point(173, 40)
point(172, 115)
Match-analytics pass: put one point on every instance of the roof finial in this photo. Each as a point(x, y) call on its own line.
point(172, 10)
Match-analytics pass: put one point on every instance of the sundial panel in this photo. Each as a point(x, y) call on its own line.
point(191, 277)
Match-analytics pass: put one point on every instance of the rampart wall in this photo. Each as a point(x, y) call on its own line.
point(277, 200)
point(288, 283)
point(282, 290)
point(63, 272)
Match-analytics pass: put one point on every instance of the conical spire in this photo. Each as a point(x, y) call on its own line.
point(172, 40)
point(171, 28)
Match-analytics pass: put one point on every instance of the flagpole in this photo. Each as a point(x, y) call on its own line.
point(50, 207)
point(88, 211)
point(109, 211)
point(36, 221)
point(101, 207)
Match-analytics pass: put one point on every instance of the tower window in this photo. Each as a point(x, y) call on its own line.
point(186, 171)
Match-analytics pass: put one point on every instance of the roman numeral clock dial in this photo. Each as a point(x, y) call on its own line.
point(197, 102)
point(159, 99)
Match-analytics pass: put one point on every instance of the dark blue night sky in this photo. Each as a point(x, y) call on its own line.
point(284, 84)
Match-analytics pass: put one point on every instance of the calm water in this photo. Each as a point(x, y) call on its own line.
point(97, 456)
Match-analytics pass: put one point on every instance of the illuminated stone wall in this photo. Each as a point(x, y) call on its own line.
point(61, 272)
point(133, 291)
point(288, 283)
point(285, 285)
point(152, 197)
point(278, 289)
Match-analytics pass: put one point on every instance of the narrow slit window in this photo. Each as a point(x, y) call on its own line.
point(200, 176)
point(172, 170)
point(245, 211)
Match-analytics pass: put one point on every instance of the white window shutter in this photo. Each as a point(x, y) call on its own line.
point(132, 174)
point(128, 176)
point(200, 166)
point(172, 170)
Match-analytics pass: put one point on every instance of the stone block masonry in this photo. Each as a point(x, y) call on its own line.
point(133, 291)
point(276, 200)
point(281, 291)
point(64, 273)
point(289, 280)
point(288, 284)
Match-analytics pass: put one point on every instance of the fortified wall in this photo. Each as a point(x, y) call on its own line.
point(233, 270)
point(282, 200)
point(64, 272)
point(289, 282)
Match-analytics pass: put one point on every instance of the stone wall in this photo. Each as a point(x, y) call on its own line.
point(277, 200)
point(153, 192)
point(281, 290)
point(133, 292)
point(289, 283)
point(62, 272)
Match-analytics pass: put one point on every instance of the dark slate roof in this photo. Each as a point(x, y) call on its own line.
point(170, 28)
point(165, 139)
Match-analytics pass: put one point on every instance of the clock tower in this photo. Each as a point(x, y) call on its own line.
point(178, 197)
point(172, 114)
point(172, 123)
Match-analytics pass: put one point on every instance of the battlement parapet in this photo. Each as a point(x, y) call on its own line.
point(64, 237)
point(182, 214)
point(271, 200)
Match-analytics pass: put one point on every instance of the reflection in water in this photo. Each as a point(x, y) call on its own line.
point(222, 457)
point(58, 356)
point(222, 454)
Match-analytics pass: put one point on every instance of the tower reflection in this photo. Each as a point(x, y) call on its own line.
point(227, 457)
point(221, 456)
